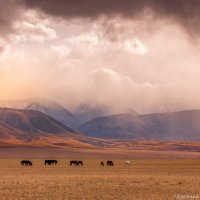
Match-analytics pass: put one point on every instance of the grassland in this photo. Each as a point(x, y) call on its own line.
point(145, 179)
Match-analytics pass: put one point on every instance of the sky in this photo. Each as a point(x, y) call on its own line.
point(142, 55)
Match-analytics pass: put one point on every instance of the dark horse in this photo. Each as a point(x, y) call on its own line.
point(76, 162)
point(110, 163)
point(50, 162)
point(26, 163)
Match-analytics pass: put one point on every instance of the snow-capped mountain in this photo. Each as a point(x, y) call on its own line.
point(46, 106)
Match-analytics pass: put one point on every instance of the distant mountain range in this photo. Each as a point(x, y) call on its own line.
point(178, 126)
point(74, 119)
point(169, 131)
point(96, 121)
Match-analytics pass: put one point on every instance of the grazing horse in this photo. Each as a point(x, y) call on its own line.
point(50, 162)
point(76, 163)
point(26, 163)
point(102, 163)
point(110, 163)
point(127, 162)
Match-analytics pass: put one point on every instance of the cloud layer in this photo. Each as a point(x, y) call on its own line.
point(182, 11)
point(9, 11)
point(117, 53)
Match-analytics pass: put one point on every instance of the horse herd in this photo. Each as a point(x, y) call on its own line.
point(72, 163)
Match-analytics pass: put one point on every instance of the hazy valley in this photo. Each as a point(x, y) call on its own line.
point(43, 123)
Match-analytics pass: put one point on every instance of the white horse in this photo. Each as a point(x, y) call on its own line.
point(127, 162)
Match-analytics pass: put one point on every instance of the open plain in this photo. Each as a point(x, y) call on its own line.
point(144, 179)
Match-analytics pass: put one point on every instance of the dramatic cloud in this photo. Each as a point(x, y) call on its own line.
point(186, 12)
point(9, 11)
point(117, 53)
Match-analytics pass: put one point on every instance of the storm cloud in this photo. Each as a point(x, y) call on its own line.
point(185, 12)
point(84, 51)
point(10, 10)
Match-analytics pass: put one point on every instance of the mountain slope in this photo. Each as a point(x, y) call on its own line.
point(30, 121)
point(7, 132)
point(167, 126)
point(20, 127)
point(46, 106)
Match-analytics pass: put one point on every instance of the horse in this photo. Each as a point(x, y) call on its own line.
point(127, 162)
point(110, 163)
point(26, 163)
point(50, 162)
point(76, 163)
point(102, 163)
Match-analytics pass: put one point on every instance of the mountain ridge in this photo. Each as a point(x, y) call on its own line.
point(49, 107)
point(31, 121)
point(182, 125)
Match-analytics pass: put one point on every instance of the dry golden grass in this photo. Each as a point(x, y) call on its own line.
point(145, 179)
